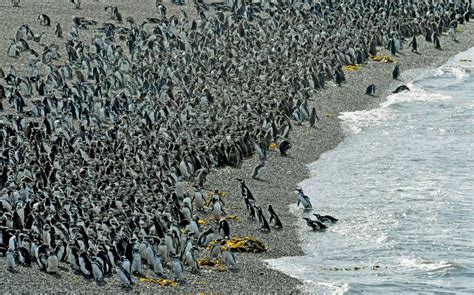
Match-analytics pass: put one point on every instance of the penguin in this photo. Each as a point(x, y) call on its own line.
point(414, 45)
point(313, 117)
point(258, 169)
point(206, 237)
point(126, 264)
point(24, 256)
point(77, 4)
point(274, 218)
point(44, 20)
point(217, 210)
point(326, 218)
point(158, 266)
point(216, 250)
point(124, 276)
point(73, 259)
point(303, 199)
point(401, 88)
point(198, 198)
point(314, 224)
point(58, 31)
point(16, 3)
point(136, 267)
point(191, 260)
point(97, 270)
point(85, 265)
point(229, 259)
point(10, 256)
point(244, 190)
point(396, 72)
point(392, 46)
point(370, 90)
point(264, 226)
point(177, 268)
point(436, 41)
point(53, 262)
point(13, 50)
point(284, 146)
point(224, 226)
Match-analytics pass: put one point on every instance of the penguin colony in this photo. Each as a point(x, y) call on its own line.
point(100, 146)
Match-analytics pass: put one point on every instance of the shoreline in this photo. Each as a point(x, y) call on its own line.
point(282, 175)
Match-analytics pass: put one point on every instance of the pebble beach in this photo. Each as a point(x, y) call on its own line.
point(277, 184)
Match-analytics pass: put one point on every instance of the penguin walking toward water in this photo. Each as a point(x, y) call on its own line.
point(414, 45)
point(401, 88)
point(44, 20)
point(370, 90)
point(303, 199)
point(274, 218)
point(396, 72)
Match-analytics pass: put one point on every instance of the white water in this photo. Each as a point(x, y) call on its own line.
point(402, 185)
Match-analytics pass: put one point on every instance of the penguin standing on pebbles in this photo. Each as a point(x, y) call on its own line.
point(414, 45)
point(258, 169)
point(225, 228)
point(274, 218)
point(44, 20)
point(10, 255)
point(124, 276)
point(284, 146)
point(370, 90)
point(16, 3)
point(396, 72)
point(313, 117)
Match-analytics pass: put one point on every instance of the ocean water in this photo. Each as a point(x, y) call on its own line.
point(402, 186)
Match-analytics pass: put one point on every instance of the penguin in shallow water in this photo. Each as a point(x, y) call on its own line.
point(370, 90)
point(315, 224)
point(326, 218)
point(274, 218)
point(303, 199)
point(401, 88)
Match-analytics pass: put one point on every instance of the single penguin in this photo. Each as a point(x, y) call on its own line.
point(245, 191)
point(224, 226)
point(97, 270)
point(58, 31)
point(158, 266)
point(199, 199)
point(229, 259)
point(284, 146)
point(315, 224)
point(396, 72)
point(177, 268)
point(436, 41)
point(136, 267)
point(191, 259)
point(44, 20)
point(274, 218)
point(16, 3)
point(77, 4)
point(10, 256)
point(414, 45)
point(326, 218)
point(401, 88)
point(257, 170)
point(206, 237)
point(370, 90)
point(13, 50)
point(124, 276)
point(53, 262)
point(313, 117)
point(303, 199)
point(264, 226)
